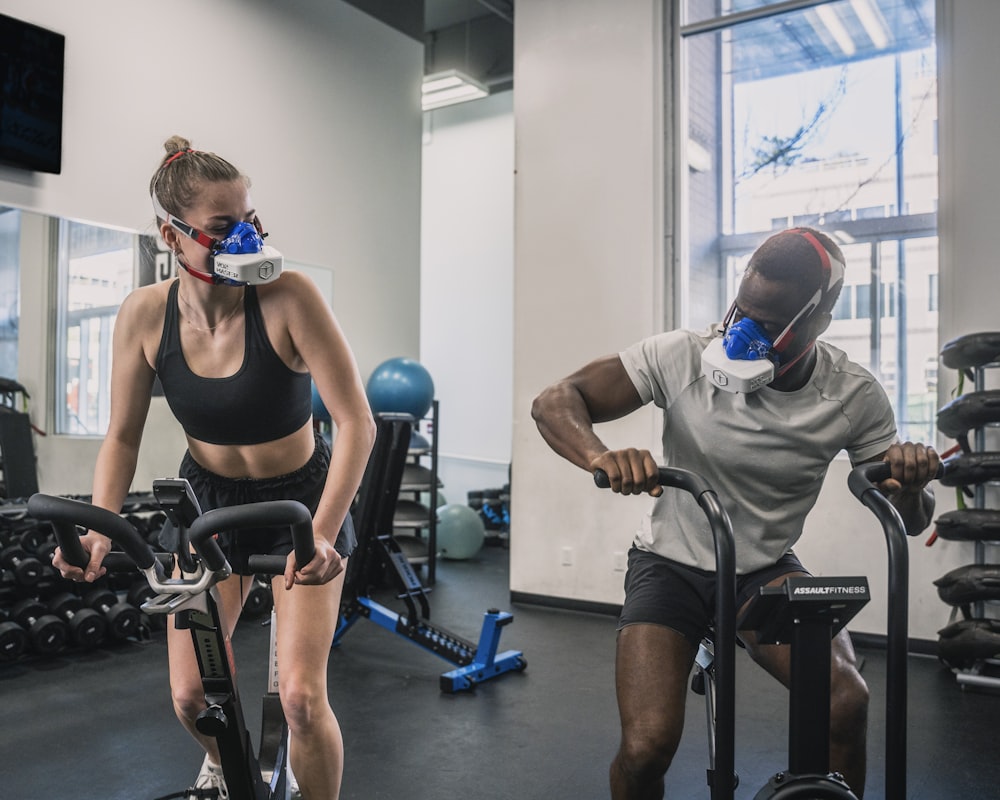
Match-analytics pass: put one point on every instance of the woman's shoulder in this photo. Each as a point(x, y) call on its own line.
point(293, 291)
point(145, 305)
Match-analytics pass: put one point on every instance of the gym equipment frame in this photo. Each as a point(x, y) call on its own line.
point(194, 601)
point(378, 554)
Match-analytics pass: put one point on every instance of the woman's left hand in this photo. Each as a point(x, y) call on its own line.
point(326, 565)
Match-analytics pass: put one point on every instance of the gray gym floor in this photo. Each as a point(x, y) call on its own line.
point(99, 725)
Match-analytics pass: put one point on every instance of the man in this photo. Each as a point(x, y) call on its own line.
point(760, 408)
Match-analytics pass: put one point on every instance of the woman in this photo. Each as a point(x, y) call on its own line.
point(235, 344)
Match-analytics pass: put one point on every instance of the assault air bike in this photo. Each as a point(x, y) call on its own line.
point(804, 612)
point(194, 601)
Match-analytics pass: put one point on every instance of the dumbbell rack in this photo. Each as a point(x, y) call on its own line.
point(43, 615)
point(985, 552)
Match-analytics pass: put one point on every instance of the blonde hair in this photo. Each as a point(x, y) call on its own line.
point(183, 170)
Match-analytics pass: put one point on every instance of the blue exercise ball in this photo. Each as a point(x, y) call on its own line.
point(402, 386)
point(320, 413)
point(460, 531)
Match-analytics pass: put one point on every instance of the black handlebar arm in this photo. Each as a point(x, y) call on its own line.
point(66, 514)
point(862, 481)
point(267, 514)
point(722, 779)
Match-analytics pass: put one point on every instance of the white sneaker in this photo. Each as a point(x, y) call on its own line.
point(293, 792)
point(210, 783)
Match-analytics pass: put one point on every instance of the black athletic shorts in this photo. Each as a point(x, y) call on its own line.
point(215, 491)
point(664, 592)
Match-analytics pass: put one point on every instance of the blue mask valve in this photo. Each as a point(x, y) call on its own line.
point(242, 239)
point(746, 341)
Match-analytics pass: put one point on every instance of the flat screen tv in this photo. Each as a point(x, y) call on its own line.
point(31, 96)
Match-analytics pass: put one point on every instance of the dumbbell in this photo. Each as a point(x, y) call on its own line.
point(45, 550)
point(154, 525)
point(13, 638)
point(46, 632)
point(123, 619)
point(87, 627)
point(35, 536)
point(259, 600)
point(138, 593)
point(27, 569)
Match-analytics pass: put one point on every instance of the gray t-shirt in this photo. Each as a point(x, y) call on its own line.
point(764, 453)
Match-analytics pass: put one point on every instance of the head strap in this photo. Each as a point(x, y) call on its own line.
point(833, 267)
point(177, 155)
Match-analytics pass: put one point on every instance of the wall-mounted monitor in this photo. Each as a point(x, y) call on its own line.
point(31, 96)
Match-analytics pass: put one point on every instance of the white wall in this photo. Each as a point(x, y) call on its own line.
point(589, 223)
point(466, 287)
point(588, 267)
point(315, 100)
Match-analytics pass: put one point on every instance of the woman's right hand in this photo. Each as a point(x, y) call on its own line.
point(96, 546)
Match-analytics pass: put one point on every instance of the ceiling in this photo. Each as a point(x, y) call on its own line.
point(440, 14)
point(474, 36)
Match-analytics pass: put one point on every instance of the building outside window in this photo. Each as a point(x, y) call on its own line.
point(824, 115)
point(95, 273)
point(10, 260)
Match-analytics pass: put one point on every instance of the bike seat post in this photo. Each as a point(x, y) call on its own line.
point(809, 698)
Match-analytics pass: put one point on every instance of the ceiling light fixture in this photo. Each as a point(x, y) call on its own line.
point(449, 87)
point(872, 21)
point(831, 22)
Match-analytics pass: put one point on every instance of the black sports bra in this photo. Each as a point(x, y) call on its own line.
point(263, 401)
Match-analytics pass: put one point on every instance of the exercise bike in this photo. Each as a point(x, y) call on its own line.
point(805, 612)
point(194, 601)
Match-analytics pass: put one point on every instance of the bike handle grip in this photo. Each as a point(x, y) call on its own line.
point(267, 565)
point(668, 476)
point(65, 514)
point(865, 477)
point(265, 514)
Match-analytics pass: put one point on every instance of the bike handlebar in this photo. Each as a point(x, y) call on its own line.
point(862, 481)
point(268, 514)
point(866, 477)
point(722, 777)
point(669, 476)
point(66, 514)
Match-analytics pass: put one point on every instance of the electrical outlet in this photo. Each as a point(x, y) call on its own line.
point(619, 561)
point(567, 556)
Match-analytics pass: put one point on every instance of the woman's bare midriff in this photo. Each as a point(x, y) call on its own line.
point(264, 460)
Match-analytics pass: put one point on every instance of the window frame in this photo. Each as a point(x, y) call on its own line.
point(874, 232)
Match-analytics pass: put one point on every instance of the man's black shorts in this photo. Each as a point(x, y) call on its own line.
point(664, 592)
point(216, 491)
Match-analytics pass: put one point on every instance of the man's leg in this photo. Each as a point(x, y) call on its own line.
point(848, 699)
point(652, 666)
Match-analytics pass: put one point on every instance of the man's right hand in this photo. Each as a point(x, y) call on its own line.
point(630, 471)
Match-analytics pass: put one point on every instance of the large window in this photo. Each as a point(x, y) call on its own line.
point(10, 259)
point(96, 269)
point(824, 115)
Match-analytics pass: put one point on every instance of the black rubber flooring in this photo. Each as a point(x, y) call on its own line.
point(99, 725)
